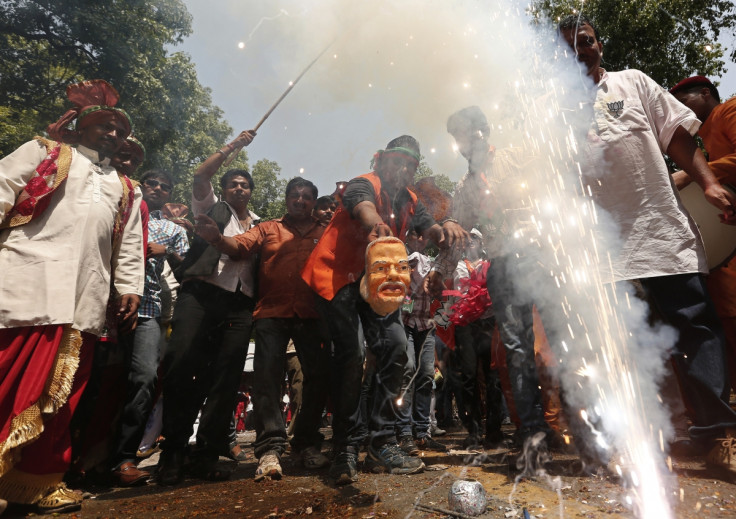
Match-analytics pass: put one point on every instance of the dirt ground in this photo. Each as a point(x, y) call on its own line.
point(694, 492)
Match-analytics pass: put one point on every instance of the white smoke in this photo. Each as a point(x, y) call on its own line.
point(397, 67)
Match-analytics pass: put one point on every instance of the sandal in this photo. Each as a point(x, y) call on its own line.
point(236, 453)
point(59, 500)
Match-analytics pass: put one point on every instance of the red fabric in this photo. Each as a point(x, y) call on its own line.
point(473, 299)
point(145, 215)
point(26, 357)
point(86, 94)
point(35, 197)
point(52, 452)
point(445, 328)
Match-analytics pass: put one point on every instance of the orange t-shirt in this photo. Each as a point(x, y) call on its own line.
point(719, 137)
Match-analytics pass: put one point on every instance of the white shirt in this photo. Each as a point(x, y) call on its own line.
point(229, 271)
point(624, 150)
point(56, 268)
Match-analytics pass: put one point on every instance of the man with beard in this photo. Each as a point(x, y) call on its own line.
point(635, 121)
point(70, 224)
point(374, 205)
point(211, 326)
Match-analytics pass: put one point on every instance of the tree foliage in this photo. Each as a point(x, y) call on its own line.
point(441, 180)
point(268, 199)
point(45, 45)
point(666, 39)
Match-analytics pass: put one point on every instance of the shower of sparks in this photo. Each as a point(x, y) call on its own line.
point(598, 353)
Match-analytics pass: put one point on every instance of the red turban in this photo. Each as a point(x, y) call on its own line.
point(94, 102)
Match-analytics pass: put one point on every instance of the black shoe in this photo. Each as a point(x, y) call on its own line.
point(171, 468)
point(687, 448)
point(494, 439)
point(472, 442)
point(428, 444)
point(390, 458)
point(344, 470)
point(406, 443)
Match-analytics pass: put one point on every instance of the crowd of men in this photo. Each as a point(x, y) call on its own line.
point(91, 263)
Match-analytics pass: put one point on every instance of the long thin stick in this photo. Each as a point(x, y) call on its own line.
point(278, 101)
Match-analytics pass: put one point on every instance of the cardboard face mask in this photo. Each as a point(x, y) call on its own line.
point(387, 275)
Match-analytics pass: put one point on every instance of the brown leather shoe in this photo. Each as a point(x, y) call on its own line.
point(128, 475)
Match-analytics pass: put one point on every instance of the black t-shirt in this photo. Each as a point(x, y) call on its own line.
point(361, 190)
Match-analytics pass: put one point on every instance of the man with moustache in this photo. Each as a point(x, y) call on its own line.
point(718, 132)
point(285, 310)
point(211, 326)
point(377, 204)
point(635, 121)
point(69, 225)
point(167, 242)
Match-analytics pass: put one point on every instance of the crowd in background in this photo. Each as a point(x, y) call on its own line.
point(123, 324)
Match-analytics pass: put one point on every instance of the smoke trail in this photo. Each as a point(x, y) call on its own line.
point(244, 44)
point(412, 64)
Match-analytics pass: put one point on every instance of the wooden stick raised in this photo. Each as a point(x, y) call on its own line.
point(278, 102)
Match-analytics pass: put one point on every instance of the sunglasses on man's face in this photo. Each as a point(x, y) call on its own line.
point(153, 184)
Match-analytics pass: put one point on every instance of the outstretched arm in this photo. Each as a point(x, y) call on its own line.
point(207, 170)
point(685, 152)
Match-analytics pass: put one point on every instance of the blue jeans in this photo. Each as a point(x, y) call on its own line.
point(413, 414)
point(513, 312)
point(683, 302)
point(346, 315)
point(272, 338)
point(142, 349)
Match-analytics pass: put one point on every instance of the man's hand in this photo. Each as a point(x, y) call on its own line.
point(682, 179)
point(245, 138)
point(723, 199)
point(449, 235)
point(379, 230)
point(433, 284)
point(155, 249)
point(207, 229)
point(127, 314)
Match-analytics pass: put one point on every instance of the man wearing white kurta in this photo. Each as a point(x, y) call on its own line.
point(58, 254)
point(635, 122)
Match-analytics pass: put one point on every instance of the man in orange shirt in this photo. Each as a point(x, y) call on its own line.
point(285, 310)
point(718, 132)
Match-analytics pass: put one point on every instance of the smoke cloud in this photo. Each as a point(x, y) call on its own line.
point(403, 67)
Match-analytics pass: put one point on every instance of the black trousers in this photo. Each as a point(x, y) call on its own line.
point(205, 358)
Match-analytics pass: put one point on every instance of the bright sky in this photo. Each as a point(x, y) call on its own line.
point(386, 73)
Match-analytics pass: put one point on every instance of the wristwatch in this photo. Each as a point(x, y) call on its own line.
point(170, 251)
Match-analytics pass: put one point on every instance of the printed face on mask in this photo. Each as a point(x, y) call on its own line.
point(387, 275)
